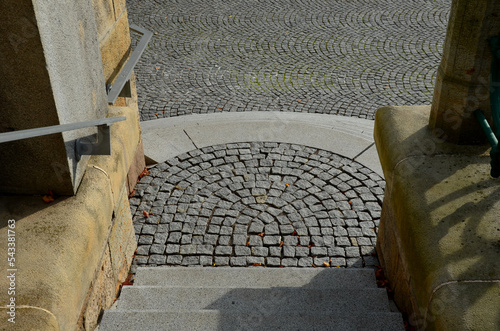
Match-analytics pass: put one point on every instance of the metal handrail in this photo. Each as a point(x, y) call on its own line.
point(124, 75)
point(98, 145)
point(495, 109)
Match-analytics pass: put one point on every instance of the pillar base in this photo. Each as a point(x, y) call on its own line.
point(439, 233)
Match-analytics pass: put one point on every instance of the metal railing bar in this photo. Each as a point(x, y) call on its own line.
point(124, 75)
point(31, 133)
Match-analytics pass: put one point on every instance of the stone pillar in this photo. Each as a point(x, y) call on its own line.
point(438, 233)
point(462, 84)
point(51, 73)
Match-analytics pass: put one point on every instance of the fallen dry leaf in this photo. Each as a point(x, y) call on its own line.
point(49, 197)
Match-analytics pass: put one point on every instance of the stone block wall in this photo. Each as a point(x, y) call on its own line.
point(72, 254)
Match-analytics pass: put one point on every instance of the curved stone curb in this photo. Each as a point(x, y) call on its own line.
point(346, 136)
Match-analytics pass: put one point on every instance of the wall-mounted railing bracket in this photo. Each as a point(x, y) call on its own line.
point(99, 144)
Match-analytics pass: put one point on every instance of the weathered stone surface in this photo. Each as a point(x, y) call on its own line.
point(124, 141)
point(462, 83)
point(51, 74)
point(136, 167)
point(439, 224)
point(59, 249)
point(114, 47)
point(63, 243)
point(104, 16)
point(121, 240)
point(30, 318)
point(101, 294)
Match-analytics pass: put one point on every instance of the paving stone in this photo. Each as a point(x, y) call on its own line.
point(157, 259)
point(255, 241)
point(273, 261)
point(275, 251)
point(238, 261)
point(289, 262)
point(272, 229)
point(338, 262)
point(143, 250)
point(354, 262)
point(190, 260)
point(145, 240)
point(186, 239)
point(174, 259)
point(222, 250)
point(319, 251)
point(242, 250)
point(352, 251)
point(256, 227)
point(302, 251)
point(221, 260)
point(204, 249)
point(305, 262)
point(157, 249)
point(253, 260)
point(224, 240)
point(260, 251)
point(320, 261)
point(271, 240)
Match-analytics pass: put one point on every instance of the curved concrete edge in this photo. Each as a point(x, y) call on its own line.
point(349, 137)
point(61, 247)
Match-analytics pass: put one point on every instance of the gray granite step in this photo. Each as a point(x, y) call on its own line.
point(252, 299)
point(266, 300)
point(255, 277)
point(222, 321)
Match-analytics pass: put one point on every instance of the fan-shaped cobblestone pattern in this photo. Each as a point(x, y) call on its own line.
point(270, 204)
point(335, 57)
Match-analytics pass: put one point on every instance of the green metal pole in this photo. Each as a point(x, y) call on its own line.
point(495, 84)
point(495, 108)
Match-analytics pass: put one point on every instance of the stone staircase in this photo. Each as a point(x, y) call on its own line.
point(177, 298)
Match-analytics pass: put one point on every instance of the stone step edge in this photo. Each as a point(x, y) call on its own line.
point(375, 299)
point(246, 277)
point(217, 311)
point(219, 320)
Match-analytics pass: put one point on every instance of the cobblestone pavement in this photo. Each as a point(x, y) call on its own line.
point(346, 57)
point(269, 204)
